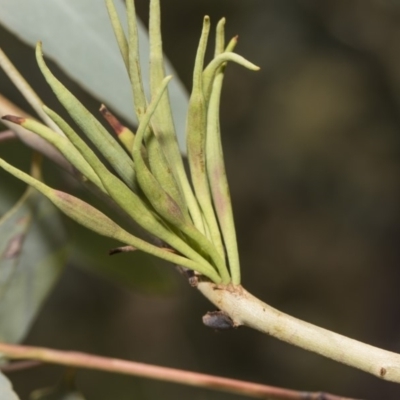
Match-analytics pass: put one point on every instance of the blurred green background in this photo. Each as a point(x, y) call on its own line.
point(312, 148)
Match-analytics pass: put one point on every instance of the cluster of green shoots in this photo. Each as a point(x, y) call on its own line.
point(143, 173)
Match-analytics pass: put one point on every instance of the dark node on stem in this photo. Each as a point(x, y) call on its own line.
point(14, 119)
point(382, 372)
point(122, 249)
point(189, 274)
point(218, 320)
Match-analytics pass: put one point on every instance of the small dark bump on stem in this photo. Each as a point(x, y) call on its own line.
point(218, 320)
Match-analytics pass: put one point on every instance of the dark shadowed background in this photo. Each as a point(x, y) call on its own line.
point(312, 148)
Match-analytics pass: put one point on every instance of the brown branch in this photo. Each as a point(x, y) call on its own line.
point(83, 360)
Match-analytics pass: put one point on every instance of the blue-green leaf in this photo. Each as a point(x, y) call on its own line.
point(6, 390)
point(79, 37)
point(32, 256)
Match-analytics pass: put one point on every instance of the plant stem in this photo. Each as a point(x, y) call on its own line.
point(83, 360)
point(245, 309)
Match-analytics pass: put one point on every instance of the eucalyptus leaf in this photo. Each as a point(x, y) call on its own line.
point(32, 256)
point(6, 390)
point(6, 199)
point(78, 35)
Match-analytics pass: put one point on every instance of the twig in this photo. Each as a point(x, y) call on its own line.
point(83, 360)
point(245, 309)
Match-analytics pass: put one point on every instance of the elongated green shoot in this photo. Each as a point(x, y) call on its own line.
point(142, 174)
